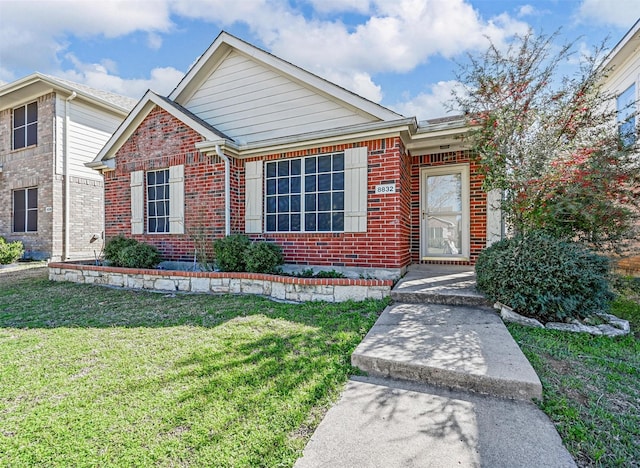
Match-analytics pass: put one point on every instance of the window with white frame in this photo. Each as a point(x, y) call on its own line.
point(25, 125)
point(626, 110)
point(305, 195)
point(25, 210)
point(158, 201)
point(162, 202)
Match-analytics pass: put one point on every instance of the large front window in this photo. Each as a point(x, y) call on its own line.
point(158, 201)
point(25, 210)
point(25, 125)
point(305, 195)
point(626, 108)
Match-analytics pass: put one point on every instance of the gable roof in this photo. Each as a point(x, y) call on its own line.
point(625, 48)
point(38, 84)
point(225, 43)
point(139, 113)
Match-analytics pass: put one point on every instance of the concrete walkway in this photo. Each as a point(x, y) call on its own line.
point(447, 386)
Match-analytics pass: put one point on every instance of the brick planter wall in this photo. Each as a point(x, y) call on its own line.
point(274, 286)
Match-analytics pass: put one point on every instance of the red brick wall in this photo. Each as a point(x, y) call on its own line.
point(392, 239)
point(159, 142)
point(386, 242)
point(478, 203)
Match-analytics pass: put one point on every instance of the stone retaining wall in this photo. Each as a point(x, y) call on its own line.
point(274, 286)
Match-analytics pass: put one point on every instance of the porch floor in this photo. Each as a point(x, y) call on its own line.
point(439, 284)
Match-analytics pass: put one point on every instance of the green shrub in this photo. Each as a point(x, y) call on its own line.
point(129, 253)
point(230, 252)
point(10, 251)
point(263, 257)
point(113, 247)
point(329, 274)
point(544, 278)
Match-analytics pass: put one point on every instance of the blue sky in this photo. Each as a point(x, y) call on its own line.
point(399, 53)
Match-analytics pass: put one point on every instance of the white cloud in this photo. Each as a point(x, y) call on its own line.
point(525, 10)
point(333, 6)
point(620, 13)
point(100, 76)
point(436, 102)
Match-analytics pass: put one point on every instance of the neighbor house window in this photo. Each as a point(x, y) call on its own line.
point(25, 210)
point(158, 201)
point(305, 195)
point(25, 125)
point(626, 107)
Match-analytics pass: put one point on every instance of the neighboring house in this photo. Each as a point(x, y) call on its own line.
point(49, 199)
point(249, 143)
point(623, 81)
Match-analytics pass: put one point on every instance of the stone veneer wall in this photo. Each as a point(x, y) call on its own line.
point(274, 286)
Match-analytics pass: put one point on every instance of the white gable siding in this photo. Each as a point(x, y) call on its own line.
point(250, 102)
point(89, 130)
point(623, 76)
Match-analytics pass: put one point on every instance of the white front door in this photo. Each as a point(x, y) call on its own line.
point(444, 224)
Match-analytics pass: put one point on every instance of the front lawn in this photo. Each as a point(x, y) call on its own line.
point(93, 376)
point(591, 387)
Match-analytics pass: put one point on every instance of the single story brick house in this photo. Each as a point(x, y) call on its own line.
point(250, 143)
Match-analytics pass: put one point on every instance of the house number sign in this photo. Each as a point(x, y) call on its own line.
point(386, 188)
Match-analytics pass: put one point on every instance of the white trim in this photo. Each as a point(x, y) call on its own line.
point(464, 171)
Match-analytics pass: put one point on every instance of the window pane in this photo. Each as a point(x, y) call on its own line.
point(151, 193)
point(152, 225)
point(283, 222)
point(444, 193)
point(338, 162)
point(271, 169)
point(444, 234)
point(324, 202)
point(310, 166)
point(338, 201)
point(324, 182)
point(295, 184)
point(271, 204)
point(19, 138)
point(151, 178)
point(310, 183)
point(310, 222)
point(283, 185)
point(19, 200)
point(152, 209)
point(296, 166)
point(324, 221)
point(160, 209)
point(32, 198)
point(338, 221)
point(338, 181)
point(271, 186)
point(271, 223)
point(283, 168)
point(283, 203)
point(32, 112)
point(295, 203)
point(324, 164)
point(310, 202)
point(32, 134)
point(161, 225)
point(32, 220)
point(18, 221)
point(295, 222)
point(19, 117)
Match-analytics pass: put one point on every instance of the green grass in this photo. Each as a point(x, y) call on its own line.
point(93, 376)
point(591, 387)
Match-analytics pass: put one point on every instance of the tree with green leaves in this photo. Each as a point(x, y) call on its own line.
point(552, 145)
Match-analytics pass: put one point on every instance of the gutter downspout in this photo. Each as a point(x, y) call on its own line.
point(227, 191)
point(67, 187)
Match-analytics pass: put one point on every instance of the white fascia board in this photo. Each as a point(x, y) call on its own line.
point(225, 41)
point(616, 56)
point(343, 135)
point(135, 118)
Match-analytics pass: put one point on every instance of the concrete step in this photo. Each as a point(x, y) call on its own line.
point(449, 286)
point(455, 347)
point(391, 424)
